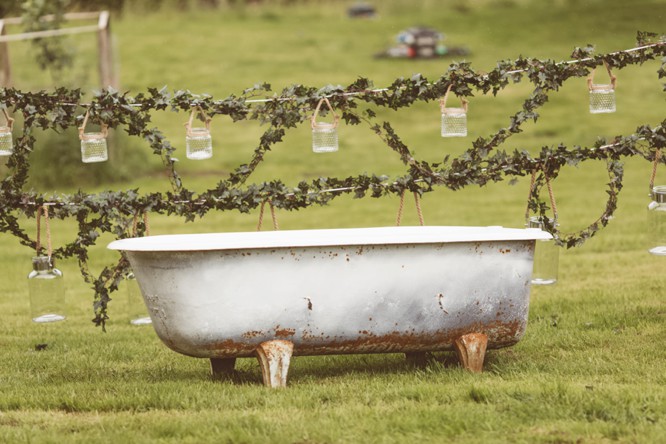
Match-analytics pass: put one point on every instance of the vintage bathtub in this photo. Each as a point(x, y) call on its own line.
point(369, 290)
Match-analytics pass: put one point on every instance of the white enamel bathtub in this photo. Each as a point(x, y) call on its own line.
point(368, 290)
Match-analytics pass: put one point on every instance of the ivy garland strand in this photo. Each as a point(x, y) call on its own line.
point(118, 212)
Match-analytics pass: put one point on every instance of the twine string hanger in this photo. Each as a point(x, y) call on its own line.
point(10, 121)
point(655, 163)
point(43, 211)
point(417, 202)
point(135, 224)
point(336, 118)
point(206, 119)
point(442, 102)
point(551, 195)
point(590, 80)
point(273, 215)
point(104, 129)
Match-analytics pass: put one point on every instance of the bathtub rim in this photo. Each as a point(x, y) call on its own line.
point(402, 235)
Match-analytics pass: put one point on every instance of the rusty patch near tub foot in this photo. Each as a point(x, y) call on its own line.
point(284, 332)
point(471, 350)
point(499, 333)
point(274, 358)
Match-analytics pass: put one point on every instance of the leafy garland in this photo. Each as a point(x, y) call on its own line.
point(117, 212)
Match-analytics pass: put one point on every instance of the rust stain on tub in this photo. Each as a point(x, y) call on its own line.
point(284, 332)
point(500, 334)
point(252, 334)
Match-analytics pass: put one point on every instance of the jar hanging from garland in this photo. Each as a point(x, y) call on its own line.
point(136, 307)
point(46, 286)
point(454, 120)
point(93, 144)
point(324, 135)
point(657, 221)
point(198, 141)
point(6, 142)
point(546, 256)
point(602, 96)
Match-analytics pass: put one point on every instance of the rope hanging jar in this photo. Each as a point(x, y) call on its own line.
point(273, 215)
point(324, 135)
point(546, 253)
point(401, 205)
point(46, 286)
point(136, 307)
point(602, 96)
point(6, 142)
point(93, 144)
point(454, 120)
point(657, 213)
point(198, 141)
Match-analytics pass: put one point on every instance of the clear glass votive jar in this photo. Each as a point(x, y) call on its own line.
point(657, 221)
point(198, 144)
point(602, 99)
point(93, 148)
point(454, 122)
point(546, 256)
point(6, 142)
point(46, 288)
point(324, 138)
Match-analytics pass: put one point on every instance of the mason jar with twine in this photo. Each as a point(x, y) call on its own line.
point(656, 216)
point(198, 141)
point(602, 96)
point(454, 120)
point(324, 135)
point(46, 286)
point(6, 142)
point(546, 253)
point(136, 306)
point(93, 144)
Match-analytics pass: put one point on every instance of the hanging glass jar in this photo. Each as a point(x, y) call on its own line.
point(6, 142)
point(546, 256)
point(46, 286)
point(136, 308)
point(324, 135)
point(138, 314)
point(602, 96)
point(657, 221)
point(93, 144)
point(198, 141)
point(454, 120)
point(47, 291)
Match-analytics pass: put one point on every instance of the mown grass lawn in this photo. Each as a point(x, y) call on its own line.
point(590, 367)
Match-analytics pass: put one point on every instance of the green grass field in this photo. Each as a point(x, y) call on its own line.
point(590, 367)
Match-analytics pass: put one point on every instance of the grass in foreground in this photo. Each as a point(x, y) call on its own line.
point(590, 367)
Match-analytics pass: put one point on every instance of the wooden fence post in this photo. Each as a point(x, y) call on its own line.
point(106, 68)
point(5, 68)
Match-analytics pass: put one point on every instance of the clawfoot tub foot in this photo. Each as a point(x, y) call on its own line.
point(221, 368)
point(471, 349)
point(274, 357)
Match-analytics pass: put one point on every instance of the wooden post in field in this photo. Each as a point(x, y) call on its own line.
point(106, 73)
point(5, 68)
